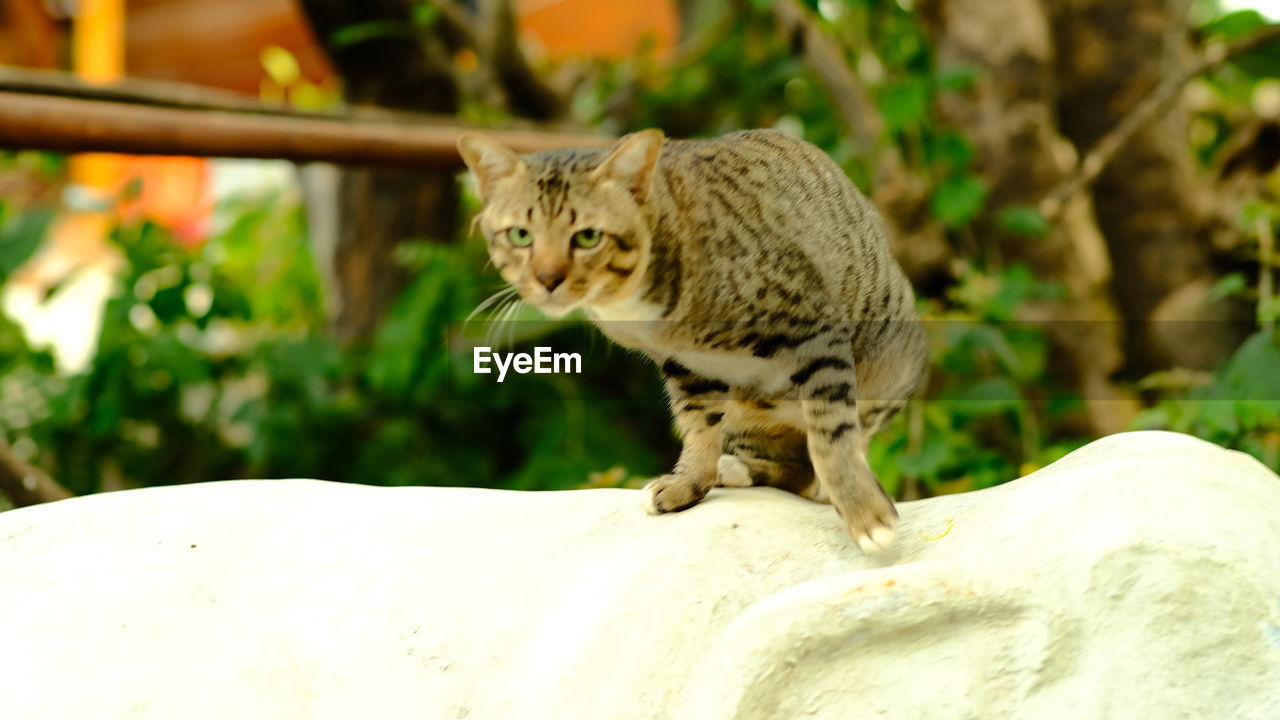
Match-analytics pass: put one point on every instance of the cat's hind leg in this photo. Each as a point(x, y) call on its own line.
point(837, 442)
point(793, 477)
point(767, 453)
point(731, 471)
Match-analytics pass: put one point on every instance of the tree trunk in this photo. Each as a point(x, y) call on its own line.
point(1152, 203)
point(1010, 117)
point(26, 485)
point(408, 69)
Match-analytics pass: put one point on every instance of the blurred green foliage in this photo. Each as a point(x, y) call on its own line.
point(215, 362)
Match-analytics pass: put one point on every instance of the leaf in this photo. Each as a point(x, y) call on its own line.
point(20, 236)
point(958, 200)
point(1253, 212)
point(905, 105)
point(1156, 418)
point(1177, 379)
point(1218, 417)
point(1227, 285)
point(1253, 373)
point(1031, 350)
point(366, 31)
point(280, 64)
point(309, 96)
point(1269, 310)
point(949, 151)
point(1015, 287)
point(1259, 413)
point(1263, 61)
point(425, 14)
point(1022, 220)
point(1235, 24)
point(990, 339)
point(956, 78)
point(926, 462)
point(987, 397)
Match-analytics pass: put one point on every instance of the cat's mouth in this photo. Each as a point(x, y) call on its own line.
point(553, 306)
point(556, 310)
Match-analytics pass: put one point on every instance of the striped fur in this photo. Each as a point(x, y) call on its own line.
point(755, 275)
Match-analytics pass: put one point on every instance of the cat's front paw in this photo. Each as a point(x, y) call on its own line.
point(870, 523)
point(671, 493)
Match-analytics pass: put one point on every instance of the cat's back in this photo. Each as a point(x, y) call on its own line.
point(767, 200)
point(767, 179)
point(759, 161)
point(740, 148)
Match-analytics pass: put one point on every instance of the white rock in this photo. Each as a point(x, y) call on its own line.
point(1137, 578)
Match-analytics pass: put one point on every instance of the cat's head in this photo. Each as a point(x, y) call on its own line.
point(567, 228)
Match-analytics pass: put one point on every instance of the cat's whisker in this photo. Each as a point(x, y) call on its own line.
point(507, 327)
point(499, 322)
point(502, 323)
point(495, 320)
point(490, 301)
point(516, 308)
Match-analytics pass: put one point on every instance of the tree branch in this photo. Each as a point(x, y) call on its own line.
point(185, 96)
point(1157, 99)
point(409, 69)
point(61, 124)
point(494, 38)
point(459, 21)
point(826, 58)
point(24, 484)
point(499, 48)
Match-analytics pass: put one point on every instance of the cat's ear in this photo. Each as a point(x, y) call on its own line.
point(632, 161)
point(488, 159)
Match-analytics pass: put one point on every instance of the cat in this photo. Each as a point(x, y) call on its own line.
point(755, 276)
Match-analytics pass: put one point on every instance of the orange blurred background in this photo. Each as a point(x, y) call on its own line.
point(220, 44)
point(228, 45)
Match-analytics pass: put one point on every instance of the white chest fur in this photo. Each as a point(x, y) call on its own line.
point(632, 323)
point(761, 374)
point(637, 324)
point(630, 310)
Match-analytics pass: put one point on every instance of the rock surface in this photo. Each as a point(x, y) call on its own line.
point(1137, 578)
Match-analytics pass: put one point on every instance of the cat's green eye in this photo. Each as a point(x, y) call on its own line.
point(519, 237)
point(587, 238)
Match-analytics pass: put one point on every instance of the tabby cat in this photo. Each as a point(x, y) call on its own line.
point(752, 272)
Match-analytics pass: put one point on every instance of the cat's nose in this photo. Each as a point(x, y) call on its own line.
point(550, 279)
